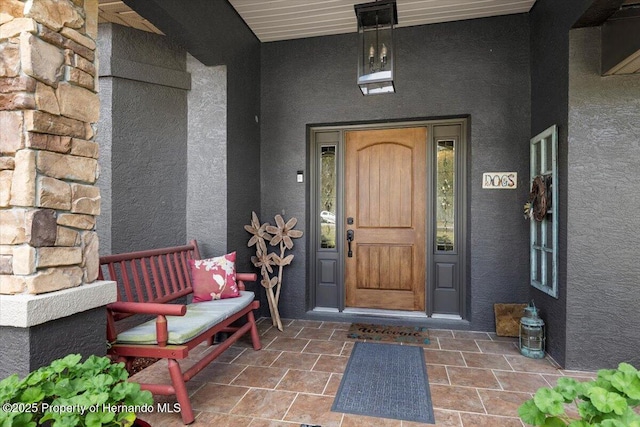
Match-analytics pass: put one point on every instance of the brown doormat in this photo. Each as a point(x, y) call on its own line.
point(508, 319)
point(408, 334)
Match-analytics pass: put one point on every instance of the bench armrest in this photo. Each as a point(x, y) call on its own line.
point(157, 309)
point(242, 277)
point(148, 308)
point(247, 277)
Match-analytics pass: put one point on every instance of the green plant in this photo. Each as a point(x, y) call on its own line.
point(69, 393)
point(607, 401)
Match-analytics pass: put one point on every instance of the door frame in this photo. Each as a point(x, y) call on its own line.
point(315, 141)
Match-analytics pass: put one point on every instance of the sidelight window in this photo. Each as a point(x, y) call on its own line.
point(328, 197)
point(445, 195)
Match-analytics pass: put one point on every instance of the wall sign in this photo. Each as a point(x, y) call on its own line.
point(500, 180)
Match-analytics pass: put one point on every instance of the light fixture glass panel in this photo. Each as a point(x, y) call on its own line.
point(376, 88)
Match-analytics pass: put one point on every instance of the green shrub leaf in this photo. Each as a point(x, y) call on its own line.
point(568, 388)
point(8, 387)
point(126, 419)
point(67, 382)
point(627, 382)
point(36, 377)
point(629, 417)
point(142, 397)
point(549, 401)
point(101, 381)
point(31, 395)
point(554, 422)
point(530, 413)
point(97, 419)
point(612, 423)
point(66, 420)
point(603, 402)
point(100, 398)
point(9, 382)
point(606, 374)
point(586, 410)
point(48, 387)
point(21, 420)
point(119, 391)
point(628, 369)
point(69, 361)
point(606, 401)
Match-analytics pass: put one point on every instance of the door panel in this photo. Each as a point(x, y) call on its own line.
point(376, 260)
point(385, 194)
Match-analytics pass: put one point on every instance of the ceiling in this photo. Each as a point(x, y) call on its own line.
point(293, 19)
point(119, 13)
point(273, 20)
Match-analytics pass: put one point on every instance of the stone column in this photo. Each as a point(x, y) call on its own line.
point(49, 107)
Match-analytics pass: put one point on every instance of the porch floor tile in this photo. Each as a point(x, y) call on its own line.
point(476, 379)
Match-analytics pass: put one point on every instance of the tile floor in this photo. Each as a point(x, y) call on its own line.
point(476, 379)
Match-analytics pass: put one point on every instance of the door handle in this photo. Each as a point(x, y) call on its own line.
point(350, 237)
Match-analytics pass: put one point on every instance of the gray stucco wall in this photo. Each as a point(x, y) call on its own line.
point(207, 158)
point(550, 22)
point(603, 273)
point(149, 166)
point(105, 140)
point(145, 85)
point(214, 33)
point(478, 67)
point(26, 349)
point(243, 151)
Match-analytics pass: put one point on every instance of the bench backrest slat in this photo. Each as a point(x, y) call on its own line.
point(145, 277)
point(159, 275)
point(125, 281)
point(171, 262)
point(164, 289)
point(184, 262)
point(136, 276)
point(165, 262)
point(178, 259)
point(153, 262)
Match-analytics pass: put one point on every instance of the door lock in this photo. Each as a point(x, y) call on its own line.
point(350, 237)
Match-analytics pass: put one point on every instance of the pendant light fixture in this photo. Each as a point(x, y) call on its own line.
point(376, 52)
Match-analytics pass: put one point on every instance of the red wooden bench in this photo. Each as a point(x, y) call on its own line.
point(149, 283)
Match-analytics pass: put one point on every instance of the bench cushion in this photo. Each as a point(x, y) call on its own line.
point(199, 318)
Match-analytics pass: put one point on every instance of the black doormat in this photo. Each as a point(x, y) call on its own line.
point(386, 381)
point(408, 334)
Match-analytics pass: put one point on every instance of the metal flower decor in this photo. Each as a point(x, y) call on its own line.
point(278, 235)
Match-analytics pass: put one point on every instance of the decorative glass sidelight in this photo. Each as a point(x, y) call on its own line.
point(328, 197)
point(445, 195)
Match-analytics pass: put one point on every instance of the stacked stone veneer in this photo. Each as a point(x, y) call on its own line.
point(48, 155)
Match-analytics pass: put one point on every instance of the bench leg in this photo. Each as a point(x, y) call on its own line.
point(128, 362)
point(255, 336)
point(181, 392)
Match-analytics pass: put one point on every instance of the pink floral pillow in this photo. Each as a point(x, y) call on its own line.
point(214, 278)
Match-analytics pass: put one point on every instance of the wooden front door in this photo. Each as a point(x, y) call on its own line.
point(385, 201)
